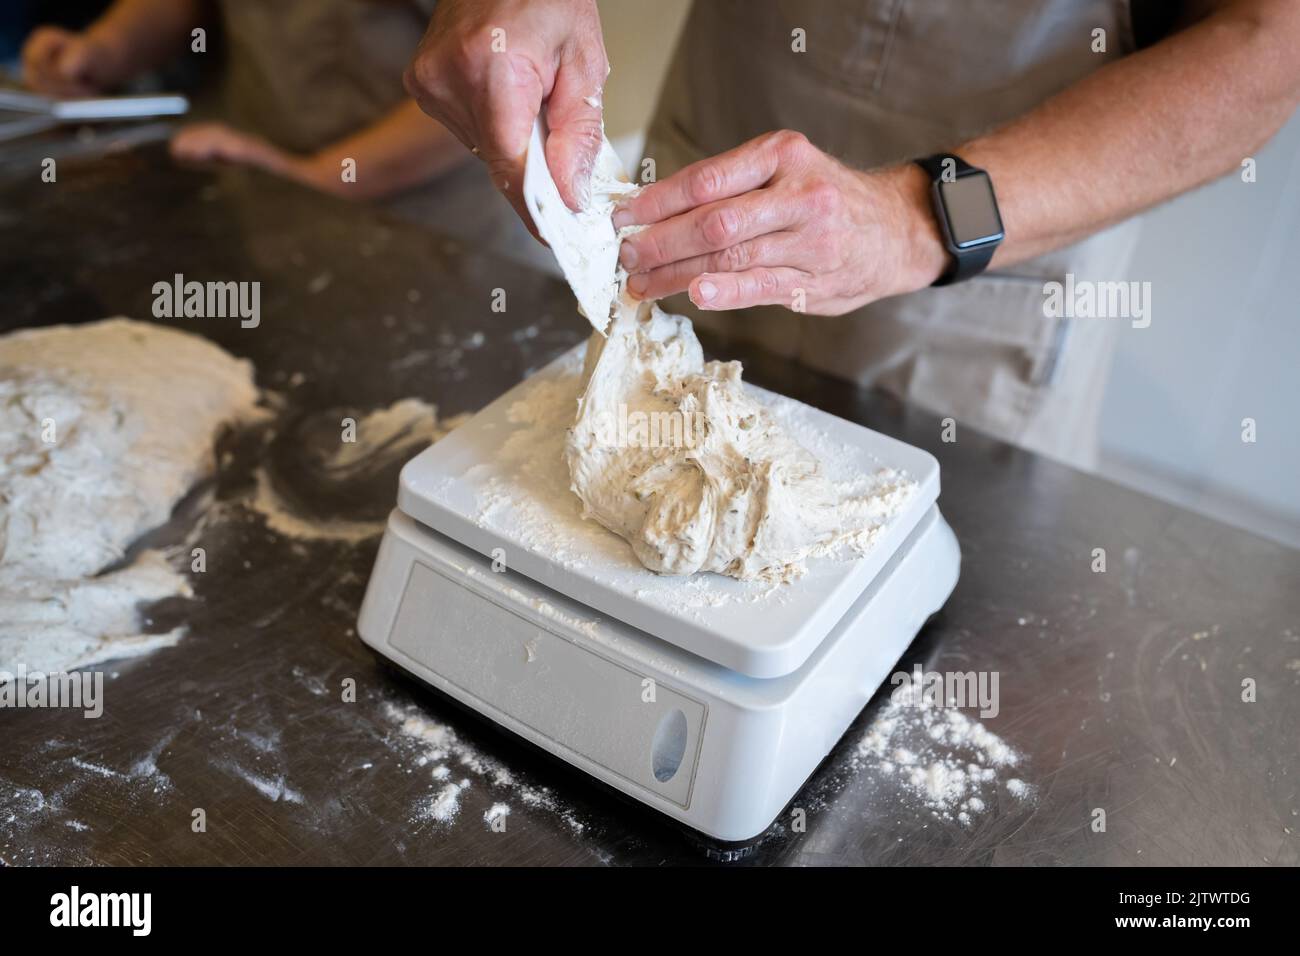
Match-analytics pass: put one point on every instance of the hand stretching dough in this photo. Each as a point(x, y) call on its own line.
point(668, 451)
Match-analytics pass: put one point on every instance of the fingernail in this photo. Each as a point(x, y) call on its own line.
point(622, 218)
point(627, 255)
point(637, 285)
point(705, 292)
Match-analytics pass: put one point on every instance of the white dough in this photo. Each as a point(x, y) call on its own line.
point(741, 497)
point(106, 427)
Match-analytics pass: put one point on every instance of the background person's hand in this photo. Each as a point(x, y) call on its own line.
point(483, 70)
point(219, 143)
point(61, 63)
point(776, 221)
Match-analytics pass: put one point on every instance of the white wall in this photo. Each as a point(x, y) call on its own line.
point(1223, 345)
point(639, 41)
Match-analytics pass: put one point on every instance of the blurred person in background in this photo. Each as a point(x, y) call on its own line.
point(304, 84)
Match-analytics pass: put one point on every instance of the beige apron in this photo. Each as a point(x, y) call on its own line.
point(890, 80)
point(305, 73)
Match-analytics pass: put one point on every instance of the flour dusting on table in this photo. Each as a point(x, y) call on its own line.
point(379, 439)
point(454, 767)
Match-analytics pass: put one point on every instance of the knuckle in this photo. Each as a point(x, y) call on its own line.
point(791, 145)
point(651, 251)
point(821, 197)
point(720, 227)
point(768, 282)
point(423, 77)
point(648, 249)
point(705, 182)
point(411, 82)
point(734, 258)
point(470, 47)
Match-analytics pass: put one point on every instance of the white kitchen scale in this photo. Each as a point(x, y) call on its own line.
point(709, 699)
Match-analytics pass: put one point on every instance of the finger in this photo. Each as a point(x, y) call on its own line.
point(574, 119)
point(425, 84)
point(194, 140)
point(180, 147)
point(40, 61)
point(748, 166)
point(740, 290)
point(706, 229)
point(75, 63)
point(201, 143)
point(506, 114)
point(773, 249)
point(77, 67)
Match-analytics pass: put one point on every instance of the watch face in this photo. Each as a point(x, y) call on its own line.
point(971, 210)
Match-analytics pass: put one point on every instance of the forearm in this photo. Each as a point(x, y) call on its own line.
point(1139, 131)
point(143, 34)
point(398, 151)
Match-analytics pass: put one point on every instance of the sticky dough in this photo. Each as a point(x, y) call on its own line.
point(107, 426)
point(741, 497)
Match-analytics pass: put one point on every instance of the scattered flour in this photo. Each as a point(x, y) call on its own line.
point(446, 805)
point(390, 434)
point(282, 518)
point(1017, 787)
point(273, 788)
point(496, 812)
point(384, 436)
point(943, 759)
point(432, 742)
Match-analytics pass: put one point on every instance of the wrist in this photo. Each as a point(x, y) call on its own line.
point(923, 254)
point(317, 170)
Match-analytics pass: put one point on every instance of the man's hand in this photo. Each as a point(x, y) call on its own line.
point(61, 63)
point(778, 222)
point(484, 68)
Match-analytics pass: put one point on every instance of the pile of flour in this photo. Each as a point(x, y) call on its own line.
point(940, 758)
point(107, 426)
point(731, 491)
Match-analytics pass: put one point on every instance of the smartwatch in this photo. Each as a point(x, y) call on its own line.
point(968, 215)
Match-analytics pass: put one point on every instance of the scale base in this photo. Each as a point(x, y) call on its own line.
point(715, 750)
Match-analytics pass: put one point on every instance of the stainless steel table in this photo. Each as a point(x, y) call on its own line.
point(1122, 689)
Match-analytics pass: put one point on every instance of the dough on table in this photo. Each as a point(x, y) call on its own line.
point(106, 427)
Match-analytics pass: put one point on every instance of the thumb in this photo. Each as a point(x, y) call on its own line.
point(574, 116)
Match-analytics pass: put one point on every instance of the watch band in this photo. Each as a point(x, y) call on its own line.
point(966, 262)
point(934, 164)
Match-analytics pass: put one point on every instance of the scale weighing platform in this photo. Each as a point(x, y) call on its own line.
point(708, 699)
